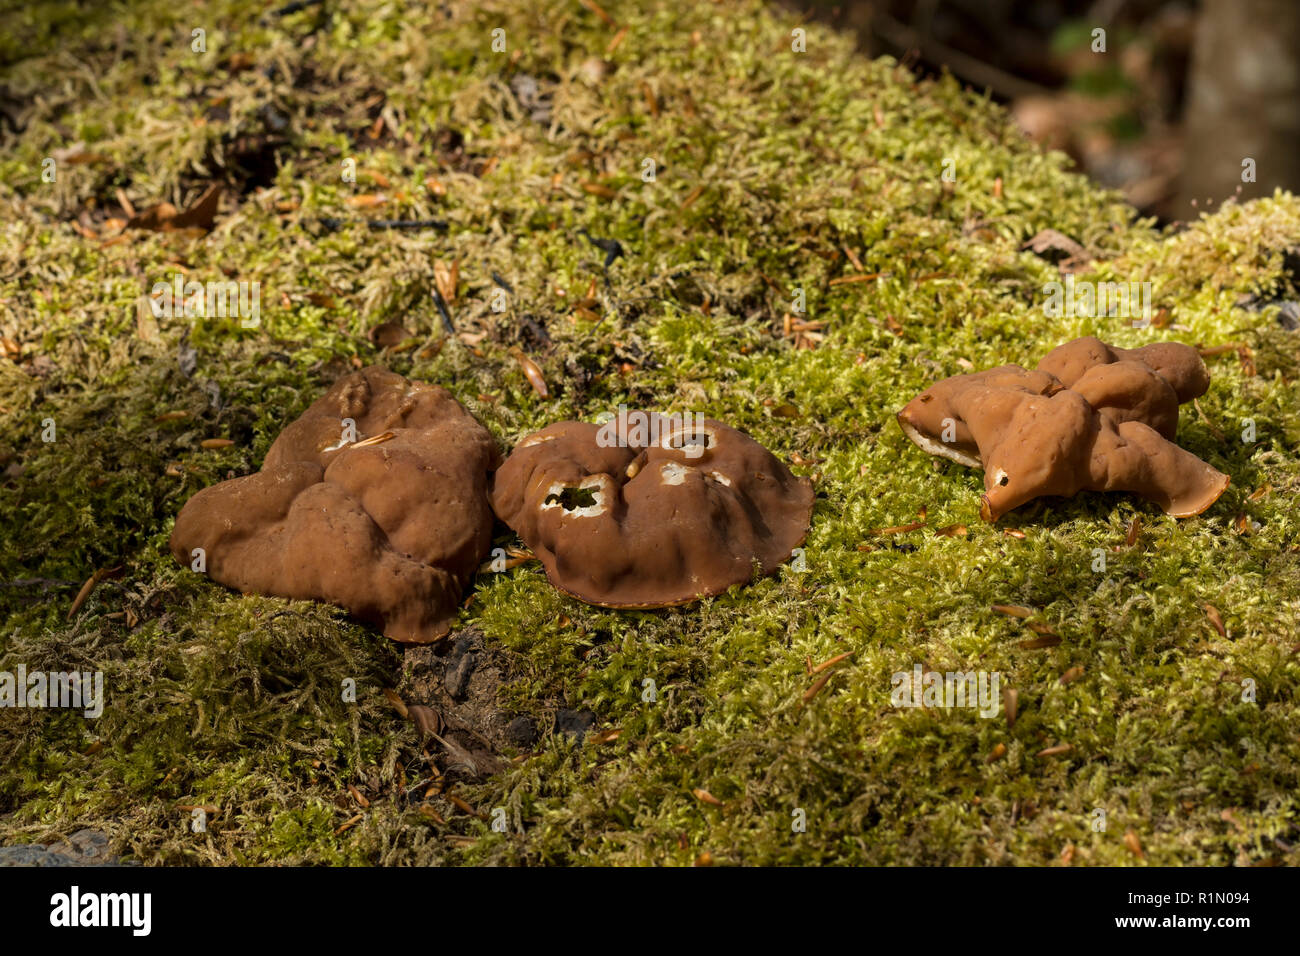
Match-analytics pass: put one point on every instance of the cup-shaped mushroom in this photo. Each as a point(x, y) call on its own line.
point(374, 500)
point(677, 512)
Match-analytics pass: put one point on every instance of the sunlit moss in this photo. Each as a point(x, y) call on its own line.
point(769, 165)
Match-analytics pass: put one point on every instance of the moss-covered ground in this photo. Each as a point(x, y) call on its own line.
point(774, 171)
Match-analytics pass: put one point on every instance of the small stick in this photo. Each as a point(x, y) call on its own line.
point(442, 311)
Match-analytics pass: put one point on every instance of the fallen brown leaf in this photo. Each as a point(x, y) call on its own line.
point(830, 663)
point(1038, 643)
point(1050, 240)
point(899, 528)
point(463, 805)
point(691, 197)
point(596, 8)
point(598, 189)
point(532, 372)
point(349, 824)
point(447, 278)
point(816, 688)
point(1012, 610)
point(862, 277)
point(1055, 751)
point(165, 218)
point(80, 158)
point(399, 705)
point(651, 101)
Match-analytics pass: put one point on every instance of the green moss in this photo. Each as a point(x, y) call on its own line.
point(769, 165)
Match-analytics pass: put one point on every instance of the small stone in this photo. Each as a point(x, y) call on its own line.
point(459, 671)
point(1289, 316)
point(90, 846)
point(25, 855)
point(575, 723)
point(83, 848)
point(522, 732)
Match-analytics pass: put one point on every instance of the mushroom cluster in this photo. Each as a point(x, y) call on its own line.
point(628, 516)
point(378, 498)
point(374, 500)
point(1090, 417)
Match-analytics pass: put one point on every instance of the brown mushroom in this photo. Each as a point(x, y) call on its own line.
point(1179, 365)
point(374, 500)
point(932, 419)
point(651, 511)
point(1089, 418)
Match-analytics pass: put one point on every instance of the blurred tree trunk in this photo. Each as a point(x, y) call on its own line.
point(1244, 101)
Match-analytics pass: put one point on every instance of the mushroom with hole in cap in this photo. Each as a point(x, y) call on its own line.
point(628, 516)
point(374, 500)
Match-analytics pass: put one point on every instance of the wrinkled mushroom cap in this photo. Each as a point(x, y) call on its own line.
point(1061, 445)
point(932, 421)
point(1090, 417)
point(631, 516)
point(390, 522)
point(1179, 365)
point(1130, 392)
